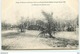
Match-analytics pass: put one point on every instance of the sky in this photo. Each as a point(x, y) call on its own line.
point(12, 11)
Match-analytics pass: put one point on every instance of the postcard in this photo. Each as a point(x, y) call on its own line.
point(40, 25)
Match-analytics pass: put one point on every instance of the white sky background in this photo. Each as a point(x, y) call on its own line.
point(12, 11)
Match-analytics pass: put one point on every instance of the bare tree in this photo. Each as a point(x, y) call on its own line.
point(5, 26)
point(22, 25)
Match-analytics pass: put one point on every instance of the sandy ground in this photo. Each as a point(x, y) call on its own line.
point(26, 40)
point(30, 39)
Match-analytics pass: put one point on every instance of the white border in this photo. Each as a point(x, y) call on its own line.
point(38, 51)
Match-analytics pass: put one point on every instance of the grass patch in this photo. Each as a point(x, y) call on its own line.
point(5, 47)
point(60, 42)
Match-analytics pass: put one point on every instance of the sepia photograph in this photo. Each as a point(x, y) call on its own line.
point(40, 25)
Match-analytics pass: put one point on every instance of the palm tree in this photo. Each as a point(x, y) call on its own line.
point(50, 24)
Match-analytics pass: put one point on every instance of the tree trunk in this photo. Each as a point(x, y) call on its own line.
point(21, 30)
point(51, 35)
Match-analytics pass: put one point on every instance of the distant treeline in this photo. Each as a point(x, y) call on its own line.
point(69, 25)
point(48, 24)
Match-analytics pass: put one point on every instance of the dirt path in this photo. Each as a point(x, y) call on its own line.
point(29, 40)
point(25, 41)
